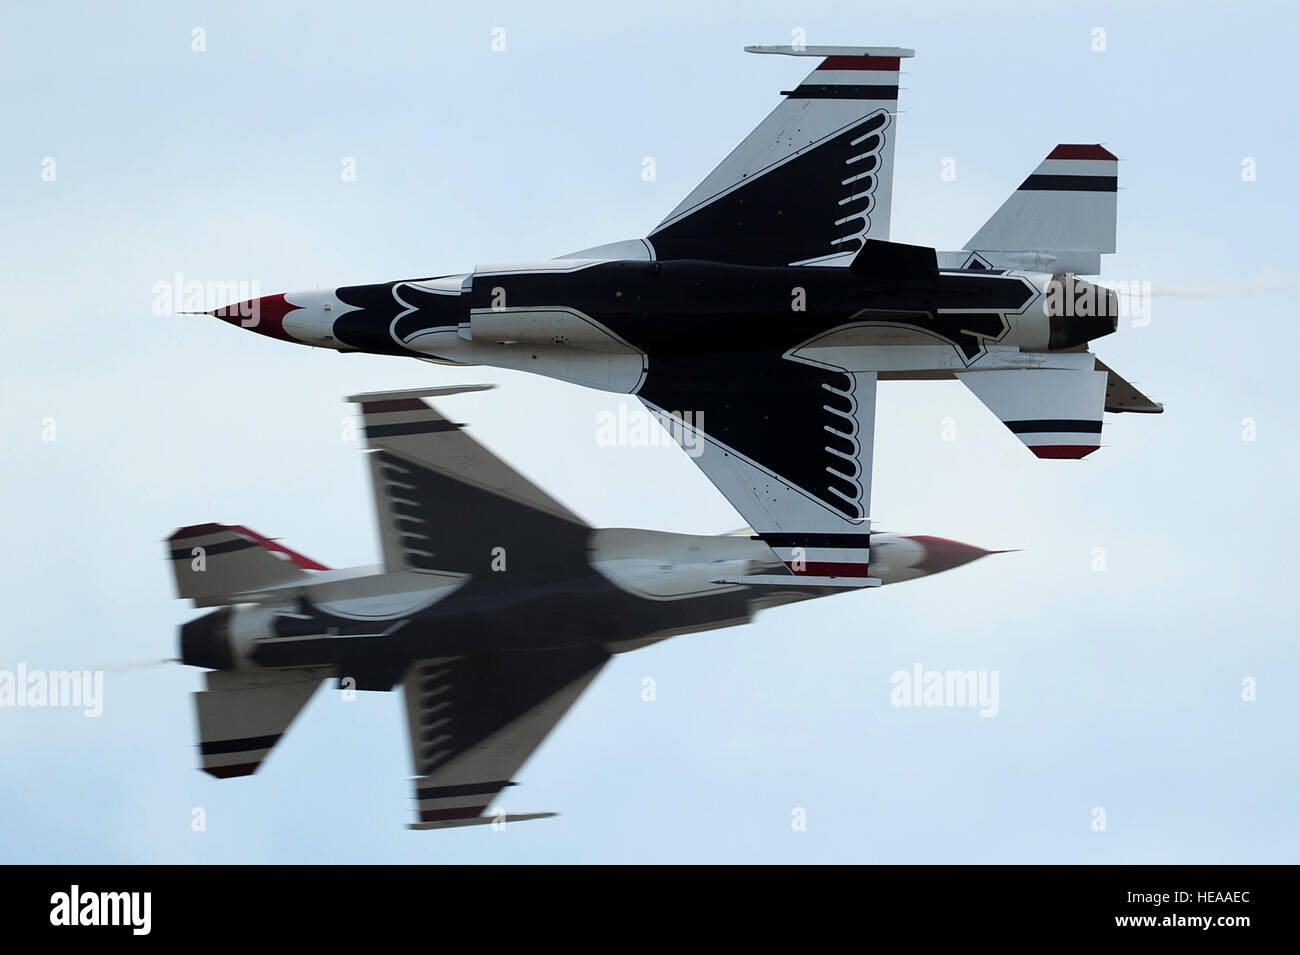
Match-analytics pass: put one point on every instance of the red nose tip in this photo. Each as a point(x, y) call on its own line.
point(263, 315)
point(942, 554)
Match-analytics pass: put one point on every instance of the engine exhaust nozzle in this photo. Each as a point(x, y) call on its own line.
point(1078, 312)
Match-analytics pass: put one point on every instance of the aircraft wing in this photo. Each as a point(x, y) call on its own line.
point(812, 181)
point(475, 720)
point(1056, 412)
point(790, 447)
point(441, 498)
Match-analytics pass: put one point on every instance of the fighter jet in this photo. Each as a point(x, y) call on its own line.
point(495, 605)
point(758, 317)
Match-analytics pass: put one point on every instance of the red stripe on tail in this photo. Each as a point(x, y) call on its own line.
point(299, 560)
point(228, 772)
point(1074, 451)
point(1077, 151)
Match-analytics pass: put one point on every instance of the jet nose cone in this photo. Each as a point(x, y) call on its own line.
point(263, 315)
point(942, 554)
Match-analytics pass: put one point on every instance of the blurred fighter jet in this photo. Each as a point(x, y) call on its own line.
point(494, 607)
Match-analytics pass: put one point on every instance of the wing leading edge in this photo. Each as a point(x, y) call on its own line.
point(812, 181)
point(439, 494)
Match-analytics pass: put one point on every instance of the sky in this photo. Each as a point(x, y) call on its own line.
point(1151, 588)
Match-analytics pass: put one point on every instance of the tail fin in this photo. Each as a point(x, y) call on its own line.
point(1061, 219)
point(812, 181)
point(213, 563)
point(243, 714)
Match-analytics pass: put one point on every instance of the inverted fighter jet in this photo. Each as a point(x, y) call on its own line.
point(759, 315)
point(494, 607)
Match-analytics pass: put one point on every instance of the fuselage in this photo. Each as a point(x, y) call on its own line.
point(629, 588)
point(653, 328)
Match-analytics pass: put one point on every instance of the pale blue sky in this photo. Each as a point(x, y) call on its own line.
point(1119, 689)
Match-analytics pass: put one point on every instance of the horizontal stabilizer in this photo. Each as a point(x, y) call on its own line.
point(1057, 413)
point(216, 563)
point(1060, 219)
point(242, 715)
